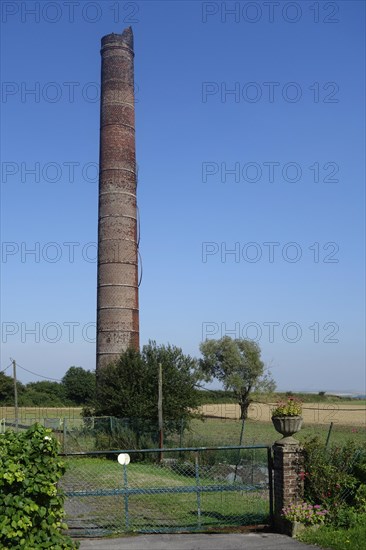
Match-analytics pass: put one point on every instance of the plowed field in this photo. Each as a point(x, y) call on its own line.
point(313, 413)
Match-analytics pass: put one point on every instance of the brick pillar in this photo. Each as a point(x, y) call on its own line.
point(288, 484)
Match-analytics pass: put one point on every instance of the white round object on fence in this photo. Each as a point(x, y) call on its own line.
point(123, 458)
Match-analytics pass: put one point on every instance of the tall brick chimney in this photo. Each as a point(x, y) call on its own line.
point(117, 298)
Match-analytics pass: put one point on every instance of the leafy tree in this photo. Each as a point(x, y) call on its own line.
point(238, 365)
point(44, 394)
point(79, 385)
point(128, 388)
point(7, 389)
point(180, 376)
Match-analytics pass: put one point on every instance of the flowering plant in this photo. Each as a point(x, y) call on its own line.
point(305, 513)
point(291, 407)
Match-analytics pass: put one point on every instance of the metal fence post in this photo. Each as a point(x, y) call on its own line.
point(127, 519)
point(64, 432)
point(328, 436)
point(198, 490)
point(240, 443)
point(270, 483)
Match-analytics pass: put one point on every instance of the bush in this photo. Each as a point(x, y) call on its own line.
point(31, 508)
point(333, 476)
point(360, 499)
point(347, 517)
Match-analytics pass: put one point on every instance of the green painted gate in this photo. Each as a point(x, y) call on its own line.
point(168, 490)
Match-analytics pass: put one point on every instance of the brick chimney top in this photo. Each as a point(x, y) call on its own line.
point(125, 39)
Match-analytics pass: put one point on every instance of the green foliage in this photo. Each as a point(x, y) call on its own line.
point(238, 366)
point(122, 433)
point(31, 509)
point(77, 388)
point(79, 385)
point(334, 477)
point(331, 475)
point(43, 394)
point(360, 499)
point(7, 389)
point(129, 388)
point(338, 538)
point(346, 517)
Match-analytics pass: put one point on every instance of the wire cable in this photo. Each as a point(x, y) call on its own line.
point(141, 268)
point(39, 375)
point(6, 368)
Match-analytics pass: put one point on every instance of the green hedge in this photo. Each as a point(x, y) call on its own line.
point(31, 507)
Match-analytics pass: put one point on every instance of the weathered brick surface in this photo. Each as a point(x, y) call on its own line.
point(288, 484)
point(117, 315)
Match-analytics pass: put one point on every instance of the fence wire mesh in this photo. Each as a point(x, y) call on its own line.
point(219, 425)
point(177, 490)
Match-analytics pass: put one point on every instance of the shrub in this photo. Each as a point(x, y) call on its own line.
point(332, 476)
point(360, 499)
point(31, 508)
point(347, 517)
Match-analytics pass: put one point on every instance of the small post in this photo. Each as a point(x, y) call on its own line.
point(181, 432)
point(160, 411)
point(64, 430)
point(124, 460)
point(197, 474)
point(15, 395)
point(328, 436)
point(125, 479)
point(270, 483)
point(240, 443)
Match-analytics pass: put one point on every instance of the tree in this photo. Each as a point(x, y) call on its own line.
point(180, 376)
point(79, 385)
point(238, 365)
point(44, 393)
point(7, 389)
point(128, 388)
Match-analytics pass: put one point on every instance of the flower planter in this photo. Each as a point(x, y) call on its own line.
point(287, 426)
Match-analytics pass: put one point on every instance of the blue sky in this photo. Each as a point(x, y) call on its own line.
point(250, 139)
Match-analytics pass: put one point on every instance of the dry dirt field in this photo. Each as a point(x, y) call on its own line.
point(313, 413)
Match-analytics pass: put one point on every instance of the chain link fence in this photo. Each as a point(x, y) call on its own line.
point(108, 433)
point(182, 489)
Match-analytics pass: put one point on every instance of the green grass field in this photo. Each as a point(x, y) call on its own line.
point(227, 432)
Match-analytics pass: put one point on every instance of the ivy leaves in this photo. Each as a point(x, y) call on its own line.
point(31, 509)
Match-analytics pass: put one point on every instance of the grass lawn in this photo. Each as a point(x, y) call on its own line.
point(214, 431)
point(337, 539)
